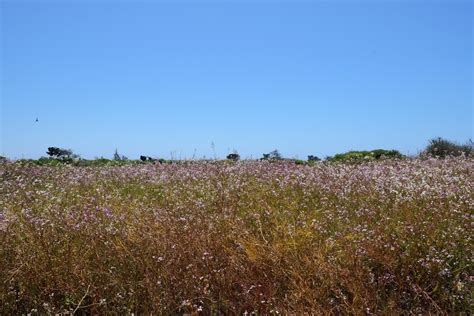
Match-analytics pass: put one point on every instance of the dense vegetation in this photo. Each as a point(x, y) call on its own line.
point(377, 237)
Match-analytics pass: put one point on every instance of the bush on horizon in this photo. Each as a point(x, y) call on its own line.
point(442, 148)
point(233, 156)
point(365, 155)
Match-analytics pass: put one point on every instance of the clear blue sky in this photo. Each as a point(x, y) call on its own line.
point(305, 77)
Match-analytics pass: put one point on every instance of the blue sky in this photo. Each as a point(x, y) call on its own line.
point(171, 78)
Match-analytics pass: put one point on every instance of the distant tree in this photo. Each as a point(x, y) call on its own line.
point(273, 155)
point(143, 158)
point(313, 158)
point(53, 151)
point(234, 156)
point(59, 152)
point(116, 155)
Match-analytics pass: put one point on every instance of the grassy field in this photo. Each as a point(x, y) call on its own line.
point(231, 238)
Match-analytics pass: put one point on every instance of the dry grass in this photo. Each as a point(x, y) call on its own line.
point(229, 238)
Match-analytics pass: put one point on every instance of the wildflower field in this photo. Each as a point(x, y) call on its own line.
point(216, 237)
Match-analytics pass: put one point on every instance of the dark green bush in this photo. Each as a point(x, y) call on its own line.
point(439, 147)
point(233, 156)
point(382, 153)
point(365, 155)
point(312, 158)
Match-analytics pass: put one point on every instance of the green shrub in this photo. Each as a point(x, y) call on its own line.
point(312, 158)
point(233, 156)
point(382, 153)
point(439, 147)
point(365, 155)
point(49, 161)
